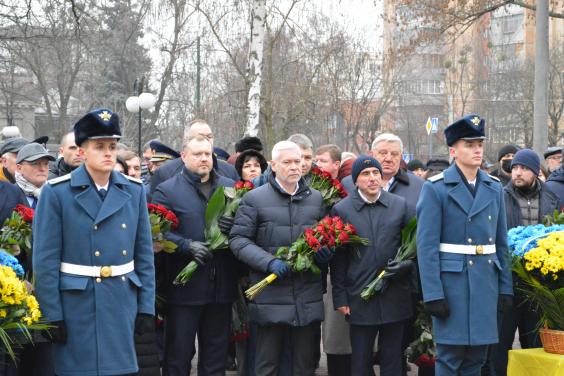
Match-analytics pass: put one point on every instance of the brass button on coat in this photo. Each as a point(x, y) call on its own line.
point(470, 240)
point(97, 253)
point(124, 252)
point(479, 250)
point(123, 225)
point(470, 262)
point(98, 280)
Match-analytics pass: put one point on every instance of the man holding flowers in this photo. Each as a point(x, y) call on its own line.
point(378, 216)
point(269, 217)
point(462, 253)
point(202, 306)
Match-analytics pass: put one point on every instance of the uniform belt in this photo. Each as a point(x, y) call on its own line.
point(97, 271)
point(467, 249)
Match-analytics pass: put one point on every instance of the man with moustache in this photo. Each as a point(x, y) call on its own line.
point(202, 306)
point(462, 253)
point(93, 258)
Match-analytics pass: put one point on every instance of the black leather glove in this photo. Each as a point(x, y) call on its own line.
point(398, 269)
point(144, 323)
point(323, 255)
point(504, 303)
point(438, 308)
point(200, 252)
point(225, 224)
point(56, 334)
point(279, 267)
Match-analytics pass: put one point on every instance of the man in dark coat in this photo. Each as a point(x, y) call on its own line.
point(504, 158)
point(387, 149)
point(174, 167)
point(269, 217)
point(10, 196)
point(8, 154)
point(555, 183)
point(527, 201)
point(69, 159)
point(378, 216)
point(203, 305)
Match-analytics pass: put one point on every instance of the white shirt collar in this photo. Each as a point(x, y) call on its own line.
point(295, 191)
point(98, 187)
point(367, 200)
point(389, 184)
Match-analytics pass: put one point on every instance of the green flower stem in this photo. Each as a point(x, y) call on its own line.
point(186, 274)
point(370, 290)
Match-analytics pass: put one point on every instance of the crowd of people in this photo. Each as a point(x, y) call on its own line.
point(109, 296)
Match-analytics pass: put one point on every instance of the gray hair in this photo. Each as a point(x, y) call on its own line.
point(301, 140)
point(284, 145)
point(387, 137)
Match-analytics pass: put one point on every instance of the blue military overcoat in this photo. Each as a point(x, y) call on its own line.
point(448, 213)
point(72, 224)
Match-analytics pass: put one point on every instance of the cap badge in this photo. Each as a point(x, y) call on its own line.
point(105, 116)
point(476, 121)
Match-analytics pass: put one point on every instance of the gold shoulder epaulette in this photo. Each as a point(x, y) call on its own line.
point(60, 179)
point(135, 180)
point(436, 178)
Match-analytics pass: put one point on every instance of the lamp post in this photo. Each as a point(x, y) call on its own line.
point(138, 102)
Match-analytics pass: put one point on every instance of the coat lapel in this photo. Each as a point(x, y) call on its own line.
point(484, 195)
point(457, 190)
point(115, 199)
point(88, 199)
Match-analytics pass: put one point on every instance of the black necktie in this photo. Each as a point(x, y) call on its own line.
point(102, 192)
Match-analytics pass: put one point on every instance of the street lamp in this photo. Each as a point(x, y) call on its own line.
point(138, 102)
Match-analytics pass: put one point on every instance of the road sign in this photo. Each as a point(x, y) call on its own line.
point(429, 125)
point(434, 125)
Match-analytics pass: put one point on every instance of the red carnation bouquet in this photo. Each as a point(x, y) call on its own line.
point(331, 189)
point(329, 232)
point(162, 221)
point(15, 235)
point(224, 202)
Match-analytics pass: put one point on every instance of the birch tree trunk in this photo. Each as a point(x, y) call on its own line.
point(540, 128)
point(254, 67)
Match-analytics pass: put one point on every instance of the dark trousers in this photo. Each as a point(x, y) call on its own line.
point(522, 316)
point(270, 344)
point(459, 360)
point(339, 364)
point(211, 323)
point(390, 339)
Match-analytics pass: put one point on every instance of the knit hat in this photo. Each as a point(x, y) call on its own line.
point(528, 158)
point(361, 163)
point(507, 149)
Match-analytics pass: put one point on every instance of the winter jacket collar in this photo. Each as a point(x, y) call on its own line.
point(303, 189)
point(557, 175)
point(358, 203)
point(460, 194)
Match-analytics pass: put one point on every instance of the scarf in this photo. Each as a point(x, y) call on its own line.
point(28, 188)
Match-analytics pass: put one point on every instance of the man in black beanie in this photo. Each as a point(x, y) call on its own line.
point(504, 157)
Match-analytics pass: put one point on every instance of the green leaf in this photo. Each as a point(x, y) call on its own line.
point(301, 263)
point(216, 205)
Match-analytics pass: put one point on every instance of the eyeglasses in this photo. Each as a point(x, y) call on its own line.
point(555, 158)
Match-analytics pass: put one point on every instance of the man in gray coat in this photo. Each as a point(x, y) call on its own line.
point(378, 216)
point(269, 217)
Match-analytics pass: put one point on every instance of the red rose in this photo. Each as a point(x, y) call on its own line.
point(320, 228)
point(327, 221)
point(249, 185)
point(240, 185)
point(343, 237)
point(313, 242)
point(331, 242)
point(170, 216)
point(425, 361)
point(349, 228)
point(308, 232)
point(316, 171)
point(25, 212)
point(326, 175)
point(339, 225)
point(152, 208)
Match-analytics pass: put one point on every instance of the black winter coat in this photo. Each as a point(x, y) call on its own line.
point(555, 183)
point(548, 202)
point(10, 196)
point(215, 282)
point(175, 166)
point(147, 353)
point(352, 271)
point(406, 185)
point(269, 218)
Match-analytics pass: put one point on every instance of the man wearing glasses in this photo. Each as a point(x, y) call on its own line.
point(32, 171)
point(553, 158)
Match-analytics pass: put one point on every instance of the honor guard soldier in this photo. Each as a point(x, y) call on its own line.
point(161, 154)
point(93, 258)
point(462, 253)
